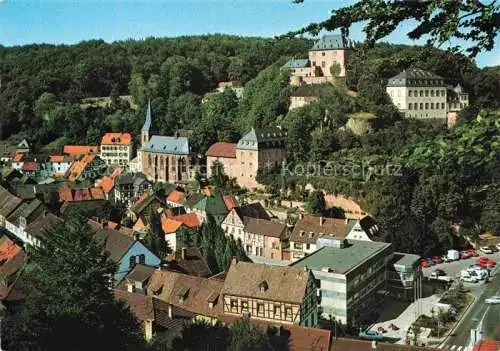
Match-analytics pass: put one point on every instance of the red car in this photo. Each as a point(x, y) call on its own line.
point(473, 253)
point(437, 259)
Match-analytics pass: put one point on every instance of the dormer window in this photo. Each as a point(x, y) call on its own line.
point(22, 222)
point(183, 294)
point(302, 233)
point(263, 286)
point(311, 234)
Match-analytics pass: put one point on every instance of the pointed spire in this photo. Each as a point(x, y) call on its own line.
point(147, 123)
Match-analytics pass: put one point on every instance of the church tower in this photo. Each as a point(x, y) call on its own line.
point(146, 127)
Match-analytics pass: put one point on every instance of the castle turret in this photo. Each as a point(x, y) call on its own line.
point(146, 127)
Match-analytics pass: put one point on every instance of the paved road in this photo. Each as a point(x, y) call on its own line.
point(481, 316)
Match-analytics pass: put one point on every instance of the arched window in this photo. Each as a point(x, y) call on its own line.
point(421, 105)
point(410, 106)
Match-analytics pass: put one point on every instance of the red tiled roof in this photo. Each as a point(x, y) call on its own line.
point(169, 225)
point(116, 139)
point(97, 193)
point(18, 157)
point(299, 338)
point(231, 202)
point(176, 197)
point(188, 219)
point(56, 158)
point(116, 172)
point(65, 194)
point(487, 345)
point(8, 249)
point(29, 167)
point(222, 150)
point(77, 168)
point(107, 184)
point(80, 149)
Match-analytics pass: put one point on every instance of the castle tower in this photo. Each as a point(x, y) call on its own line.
point(146, 127)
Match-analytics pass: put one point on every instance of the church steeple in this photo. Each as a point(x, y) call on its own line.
point(146, 127)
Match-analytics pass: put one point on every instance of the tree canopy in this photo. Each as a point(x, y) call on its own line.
point(70, 304)
point(477, 22)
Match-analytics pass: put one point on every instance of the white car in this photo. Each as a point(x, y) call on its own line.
point(493, 300)
point(498, 246)
point(468, 279)
point(486, 250)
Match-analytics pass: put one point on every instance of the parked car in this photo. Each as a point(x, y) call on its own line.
point(493, 300)
point(464, 255)
point(445, 259)
point(437, 273)
point(485, 250)
point(371, 335)
point(468, 279)
point(437, 259)
point(453, 255)
point(498, 246)
point(473, 253)
point(493, 248)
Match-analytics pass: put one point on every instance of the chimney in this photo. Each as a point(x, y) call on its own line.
point(169, 311)
point(183, 253)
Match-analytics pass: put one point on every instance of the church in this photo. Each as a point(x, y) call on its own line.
point(163, 158)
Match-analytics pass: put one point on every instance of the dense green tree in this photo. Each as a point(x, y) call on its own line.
point(70, 304)
point(438, 20)
point(218, 177)
point(243, 336)
point(316, 204)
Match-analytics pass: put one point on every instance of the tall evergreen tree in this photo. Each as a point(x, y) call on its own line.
point(70, 303)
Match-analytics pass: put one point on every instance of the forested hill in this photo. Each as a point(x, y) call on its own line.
point(160, 68)
point(43, 86)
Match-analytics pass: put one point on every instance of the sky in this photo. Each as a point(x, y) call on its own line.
point(71, 21)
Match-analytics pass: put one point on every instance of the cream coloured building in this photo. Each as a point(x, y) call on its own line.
point(258, 149)
point(419, 94)
point(327, 51)
point(116, 148)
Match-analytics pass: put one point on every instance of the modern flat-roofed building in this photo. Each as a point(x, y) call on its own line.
point(349, 273)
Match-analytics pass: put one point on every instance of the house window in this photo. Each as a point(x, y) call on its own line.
point(308, 246)
point(432, 93)
point(288, 313)
point(442, 105)
point(426, 93)
point(410, 106)
point(131, 261)
point(322, 54)
point(277, 311)
point(234, 305)
point(142, 259)
point(426, 105)
point(260, 309)
point(409, 93)
point(421, 93)
point(244, 306)
point(421, 105)
point(432, 106)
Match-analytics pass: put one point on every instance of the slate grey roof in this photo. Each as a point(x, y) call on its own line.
point(342, 260)
point(126, 178)
point(8, 202)
point(264, 138)
point(192, 199)
point(301, 63)
point(168, 144)
point(415, 77)
point(43, 223)
point(147, 122)
point(140, 273)
point(115, 243)
point(329, 42)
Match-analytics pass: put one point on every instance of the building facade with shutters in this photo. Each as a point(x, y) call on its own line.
point(116, 149)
